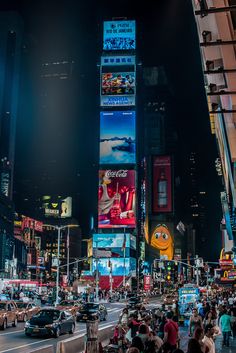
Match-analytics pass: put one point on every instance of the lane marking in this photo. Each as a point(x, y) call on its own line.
point(101, 327)
point(26, 345)
point(9, 333)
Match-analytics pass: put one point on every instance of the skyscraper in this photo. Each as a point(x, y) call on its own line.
point(11, 30)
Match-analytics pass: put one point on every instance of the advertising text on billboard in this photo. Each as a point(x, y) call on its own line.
point(119, 35)
point(57, 207)
point(118, 60)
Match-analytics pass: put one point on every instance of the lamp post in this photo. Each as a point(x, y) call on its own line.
point(59, 228)
point(96, 261)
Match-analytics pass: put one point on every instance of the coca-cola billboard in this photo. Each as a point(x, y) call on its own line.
point(116, 198)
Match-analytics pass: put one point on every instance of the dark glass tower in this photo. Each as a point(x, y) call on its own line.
point(11, 29)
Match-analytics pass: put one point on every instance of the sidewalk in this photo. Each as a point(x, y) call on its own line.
point(218, 343)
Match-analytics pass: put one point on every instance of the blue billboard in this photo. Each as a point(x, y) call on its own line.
point(117, 137)
point(118, 60)
point(114, 240)
point(120, 266)
point(117, 101)
point(119, 35)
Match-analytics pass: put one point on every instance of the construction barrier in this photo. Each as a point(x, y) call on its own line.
point(76, 344)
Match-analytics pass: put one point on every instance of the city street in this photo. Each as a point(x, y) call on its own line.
point(14, 340)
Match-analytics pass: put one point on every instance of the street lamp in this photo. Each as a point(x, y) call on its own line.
point(59, 228)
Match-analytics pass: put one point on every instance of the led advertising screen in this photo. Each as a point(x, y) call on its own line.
point(119, 35)
point(57, 206)
point(118, 83)
point(118, 60)
point(119, 266)
point(116, 199)
point(118, 89)
point(162, 184)
point(117, 137)
point(117, 101)
point(110, 241)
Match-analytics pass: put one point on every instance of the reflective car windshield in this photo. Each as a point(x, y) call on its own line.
point(2, 306)
point(21, 305)
point(53, 314)
point(90, 306)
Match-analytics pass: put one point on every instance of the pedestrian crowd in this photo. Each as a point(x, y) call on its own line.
point(157, 330)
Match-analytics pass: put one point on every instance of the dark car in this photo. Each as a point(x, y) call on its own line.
point(50, 322)
point(92, 311)
point(135, 303)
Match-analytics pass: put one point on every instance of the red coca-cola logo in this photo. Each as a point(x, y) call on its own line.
point(116, 173)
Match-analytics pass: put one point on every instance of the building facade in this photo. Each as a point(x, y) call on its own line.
point(11, 31)
point(216, 24)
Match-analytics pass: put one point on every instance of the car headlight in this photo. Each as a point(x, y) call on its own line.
point(27, 324)
point(51, 325)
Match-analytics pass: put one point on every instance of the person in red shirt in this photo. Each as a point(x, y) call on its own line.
point(171, 331)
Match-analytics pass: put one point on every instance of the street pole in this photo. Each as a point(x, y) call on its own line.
point(68, 255)
point(58, 264)
point(160, 281)
point(124, 271)
point(138, 275)
point(197, 263)
point(111, 289)
point(96, 259)
point(124, 247)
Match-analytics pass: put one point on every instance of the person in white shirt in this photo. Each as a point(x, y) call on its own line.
point(231, 301)
point(208, 338)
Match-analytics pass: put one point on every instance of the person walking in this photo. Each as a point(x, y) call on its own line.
point(208, 339)
point(225, 325)
point(194, 322)
point(171, 331)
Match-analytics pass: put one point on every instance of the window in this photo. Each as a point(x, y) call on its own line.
point(233, 13)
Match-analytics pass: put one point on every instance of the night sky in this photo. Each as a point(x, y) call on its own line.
point(73, 30)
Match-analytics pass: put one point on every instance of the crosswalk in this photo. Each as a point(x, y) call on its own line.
point(113, 310)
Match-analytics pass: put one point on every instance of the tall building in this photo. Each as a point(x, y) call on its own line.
point(196, 207)
point(160, 150)
point(11, 31)
point(216, 24)
point(114, 243)
point(46, 161)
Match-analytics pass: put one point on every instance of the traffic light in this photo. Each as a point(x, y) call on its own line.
point(168, 271)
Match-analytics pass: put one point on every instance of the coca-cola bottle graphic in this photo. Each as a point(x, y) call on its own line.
point(162, 197)
point(116, 209)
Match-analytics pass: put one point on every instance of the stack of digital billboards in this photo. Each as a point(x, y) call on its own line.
point(117, 175)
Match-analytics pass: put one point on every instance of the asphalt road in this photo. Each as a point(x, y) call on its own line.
point(13, 340)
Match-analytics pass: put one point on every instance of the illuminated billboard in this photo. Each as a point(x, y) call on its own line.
point(117, 101)
point(117, 137)
point(119, 35)
point(162, 184)
point(114, 240)
point(162, 240)
point(116, 198)
point(118, 89)
point(57, 206)
point(119, 266)
point(118, 60)
point(118, 83)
